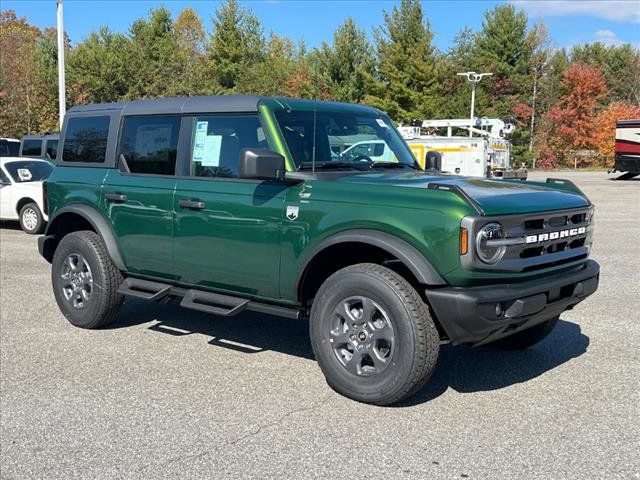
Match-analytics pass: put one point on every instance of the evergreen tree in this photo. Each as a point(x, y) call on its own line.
point(237, 43)
point(99, 68)
point(156, 69)
point(406, 83)
point(345, 63)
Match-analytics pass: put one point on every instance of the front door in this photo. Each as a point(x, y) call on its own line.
point(227, 230)
point(138, 196)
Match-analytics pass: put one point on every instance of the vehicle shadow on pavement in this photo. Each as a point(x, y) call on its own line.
point(248, 332)
point(10, 224)
point(467, 369)
point(462, 368)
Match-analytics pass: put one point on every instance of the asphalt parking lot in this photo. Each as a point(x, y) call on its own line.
point(171, 393)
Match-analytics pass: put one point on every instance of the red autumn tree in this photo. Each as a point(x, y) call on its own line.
point(605, 134)
point(573, 120)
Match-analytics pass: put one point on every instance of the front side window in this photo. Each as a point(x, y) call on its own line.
point(31, 148)
point(52, 149)
point(28, 171)
point(217, 142)
point(343, 139)
point(85, 139)
point(149, 144)
point(4, 180)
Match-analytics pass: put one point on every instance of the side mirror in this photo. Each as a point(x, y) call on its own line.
point(433, 161)
point(261, 164)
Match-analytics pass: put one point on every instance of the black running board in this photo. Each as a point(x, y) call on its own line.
point(209, 302)
point(145, 289)
point(214, 303)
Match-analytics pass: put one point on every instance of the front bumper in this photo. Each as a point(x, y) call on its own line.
point(481, 315)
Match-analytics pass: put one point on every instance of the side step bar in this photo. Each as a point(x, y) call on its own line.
point(213, 303)
point(144, 289)
point(208, 302)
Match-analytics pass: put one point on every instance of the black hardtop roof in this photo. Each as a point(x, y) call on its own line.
point(196, 104)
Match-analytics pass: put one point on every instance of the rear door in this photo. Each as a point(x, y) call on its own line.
point(138, 196)
point(227, 230)
point(6, 187)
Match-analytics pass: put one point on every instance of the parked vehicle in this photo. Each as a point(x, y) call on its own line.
point(627, 149)
point(43, 146)
point(21, 192)
point(9, 147)
point(487, 154)
point(238, 203)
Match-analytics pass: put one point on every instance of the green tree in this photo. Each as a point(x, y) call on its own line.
point(191, 39)
point(18, 98)
point(157, 66)
point(237, 43)
point(345, 63)
point(99, 68)
point(406, 82)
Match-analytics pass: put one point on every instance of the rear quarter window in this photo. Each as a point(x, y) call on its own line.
point(85, 139)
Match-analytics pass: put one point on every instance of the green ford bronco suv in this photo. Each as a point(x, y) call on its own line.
point(237, 203)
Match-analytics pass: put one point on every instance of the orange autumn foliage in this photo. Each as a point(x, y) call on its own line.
point(605, 135)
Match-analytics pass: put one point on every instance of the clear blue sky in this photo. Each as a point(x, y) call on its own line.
point(569, 21)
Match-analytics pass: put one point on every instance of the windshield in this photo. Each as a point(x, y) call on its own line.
point(343, 140)
point(29, 171)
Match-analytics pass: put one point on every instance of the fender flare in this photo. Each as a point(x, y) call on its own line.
point(99, 224)
point(399, 248)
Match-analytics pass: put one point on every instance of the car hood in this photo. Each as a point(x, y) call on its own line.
point(493, 197)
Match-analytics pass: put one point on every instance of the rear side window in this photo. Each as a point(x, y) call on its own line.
point(31, 148)
point(149, 144)
point(85, 139)
point(52, 149)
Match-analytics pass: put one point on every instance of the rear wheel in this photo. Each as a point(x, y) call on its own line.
point(31, 220)
point(85, 280)
point(372, 335)
point(528, 337)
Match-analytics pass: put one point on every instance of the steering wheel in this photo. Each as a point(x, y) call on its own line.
point(362, 158)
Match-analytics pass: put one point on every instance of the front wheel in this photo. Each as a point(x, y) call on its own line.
point(528, 337)
point(372, 335)
point(31, 220)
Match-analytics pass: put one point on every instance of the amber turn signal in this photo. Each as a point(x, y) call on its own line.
point(464, 241)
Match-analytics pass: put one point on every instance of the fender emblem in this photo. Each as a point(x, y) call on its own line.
point(292, 212)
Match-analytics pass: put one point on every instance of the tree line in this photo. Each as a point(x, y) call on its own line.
point(564, 101)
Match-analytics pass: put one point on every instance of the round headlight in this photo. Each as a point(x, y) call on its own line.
point(486, 249)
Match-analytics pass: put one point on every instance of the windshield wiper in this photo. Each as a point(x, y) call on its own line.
point(393, 165)
point(332, 165)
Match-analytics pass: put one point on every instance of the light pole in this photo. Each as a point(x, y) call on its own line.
point(474, 78)
point(61, 90)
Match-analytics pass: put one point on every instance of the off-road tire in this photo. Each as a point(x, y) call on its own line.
point(528, 337)
point(416, 339)
point(104, 302)
point(31, 219)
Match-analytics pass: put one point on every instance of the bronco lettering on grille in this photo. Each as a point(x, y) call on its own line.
point(544, 237)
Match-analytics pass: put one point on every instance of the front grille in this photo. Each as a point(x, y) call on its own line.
point(540, 240)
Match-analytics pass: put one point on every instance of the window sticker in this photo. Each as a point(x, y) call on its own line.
point(198, 144)
point(24, 174)
point(381, 122)
point(211, 152)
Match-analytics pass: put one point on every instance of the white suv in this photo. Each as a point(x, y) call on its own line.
point(21, 195)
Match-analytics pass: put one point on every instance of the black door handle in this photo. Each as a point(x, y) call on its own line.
point(115, 197)
point(192, 204)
